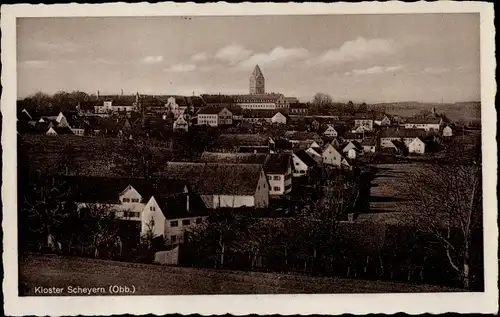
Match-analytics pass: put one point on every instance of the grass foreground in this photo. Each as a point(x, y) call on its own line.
point(38, 272)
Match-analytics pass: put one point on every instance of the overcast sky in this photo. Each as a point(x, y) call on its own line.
point(370, 58)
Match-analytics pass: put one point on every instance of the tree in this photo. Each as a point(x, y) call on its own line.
point(447, 202)
point(322, 100)
point(363, 107)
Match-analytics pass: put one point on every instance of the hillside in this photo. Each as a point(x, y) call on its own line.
point(148, 279)
point(467, 111)
point(86, 155)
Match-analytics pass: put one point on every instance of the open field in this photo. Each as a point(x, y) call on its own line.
point(388, 203)
point(148, 279)
point(96, 156)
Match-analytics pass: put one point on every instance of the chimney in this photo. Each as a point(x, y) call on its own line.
point(97, 94)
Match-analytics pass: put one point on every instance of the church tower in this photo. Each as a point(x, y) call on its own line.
point(257, 82)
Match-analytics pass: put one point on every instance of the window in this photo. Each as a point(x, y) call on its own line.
point(277, 188)
point(126, 200)
point(302, 172)
point(173, 238)
point(277, 178)
point(296, 163)
point(152, 208)
point(269, 177)
point(186, 222)
point(264, 185)
point(135, 200)
point(198, 220)
point(174, 223)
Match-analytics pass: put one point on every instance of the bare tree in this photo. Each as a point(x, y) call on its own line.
point(322, 100)
point(447, 202)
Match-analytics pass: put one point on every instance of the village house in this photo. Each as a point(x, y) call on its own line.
point(58, 131)
point(364, 122)
point(331, 156)
point(299, 109)
point(382, 120)
point(348, 136)
point(277, 167)
point(352, 149)
point(302, 163)
point(214, 116)
point(315, 154)
point(297, 137)
point(244, 142)
point(172, 217)
point(224, 185)
point(427, 124)
point(114, 104)
point(369, 145)
point(136, 200)
point(180, 124)
point(400, 134)
point(417, 146)
point(447, 131)
point(264, 116)
point(330, 131)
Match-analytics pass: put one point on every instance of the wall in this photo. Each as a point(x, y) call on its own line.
point(210, 119)
point(178, 230)
point(152, 211)
point(225, 117)
point(273, 182)
point(417, 146)
point(262, 192)
point(232, 201)
point(331, 156)
point(298, 166)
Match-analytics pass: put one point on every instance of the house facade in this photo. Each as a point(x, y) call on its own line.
point(417, 146)
point(331, 132)
point(215, 116)
point(365, 123)
point(427, 124)
point(447, 131)
point(180, 124)
point(302, 163)
point(331, 156)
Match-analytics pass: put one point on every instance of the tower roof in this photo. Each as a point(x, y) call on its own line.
point(257, 72)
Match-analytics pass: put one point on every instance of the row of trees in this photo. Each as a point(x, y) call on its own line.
point(323, 104)
point(60, 101)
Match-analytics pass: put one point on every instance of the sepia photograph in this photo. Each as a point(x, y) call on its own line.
point(249, 154)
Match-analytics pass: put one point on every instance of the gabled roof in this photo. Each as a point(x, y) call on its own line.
point(277, 163)
point(176, 207)
point(302, 136)
point(256, 98)
point(107, 189)
point(231, 140)
point(62, 130)
point(402, 133)
point(272, 163)
point(306, 158)
point(233, 158)
point(369, 142)
point(217, 179)
point(210, 110)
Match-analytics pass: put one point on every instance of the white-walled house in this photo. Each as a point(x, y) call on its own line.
point(279, 118)
point(416, 146)
point(277, 167)
point(427, 124)
point(447, 131)
point(302, 163)
point(330, 131)
point(180, 124)
point(214, 116)
point(224, 185)
point(352, 153)
point(331, 156)
point(315, 154)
